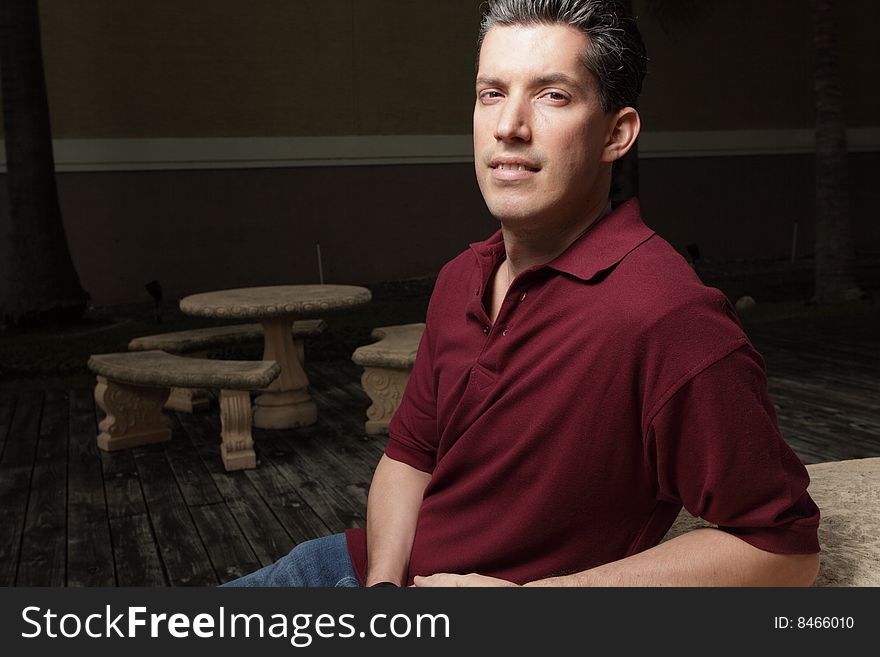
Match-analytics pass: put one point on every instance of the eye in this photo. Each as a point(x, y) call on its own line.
point(556, 97)
point(489, 95)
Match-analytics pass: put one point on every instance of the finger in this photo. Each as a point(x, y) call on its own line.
point(440, 579)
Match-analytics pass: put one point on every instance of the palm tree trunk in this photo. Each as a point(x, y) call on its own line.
point(835, 251)
point(38, 281)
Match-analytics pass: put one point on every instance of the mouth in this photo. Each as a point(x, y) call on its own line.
point(514, 165)
point(512, 170)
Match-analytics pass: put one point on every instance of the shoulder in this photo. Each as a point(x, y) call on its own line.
point(457, 280)
point(460, 267)
point(656, 286)
point(676, 325)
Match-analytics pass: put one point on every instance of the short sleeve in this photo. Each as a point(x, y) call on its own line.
point(719, 453)
point(412, 432)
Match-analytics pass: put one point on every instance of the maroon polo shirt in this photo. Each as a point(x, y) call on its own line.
point(613, 389)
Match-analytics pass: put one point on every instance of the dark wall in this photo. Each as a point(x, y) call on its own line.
point(156, 69)
point(201, 230)
point(746, 207)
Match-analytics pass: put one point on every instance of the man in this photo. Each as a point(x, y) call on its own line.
point(576, 384)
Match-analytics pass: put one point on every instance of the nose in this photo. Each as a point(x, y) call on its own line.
point(514, 121)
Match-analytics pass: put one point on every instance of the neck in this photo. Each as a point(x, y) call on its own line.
point(527, 248)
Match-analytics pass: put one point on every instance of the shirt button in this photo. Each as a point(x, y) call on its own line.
point(522, 297)
point(504, 332)
point(486, 330)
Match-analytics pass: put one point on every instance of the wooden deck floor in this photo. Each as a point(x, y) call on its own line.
point(169, 515)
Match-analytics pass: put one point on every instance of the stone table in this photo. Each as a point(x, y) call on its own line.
point(286, 402)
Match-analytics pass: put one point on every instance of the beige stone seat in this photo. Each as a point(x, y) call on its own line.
point(848, 496)
point(387, 365)
point(132, 388)
point(196, 343)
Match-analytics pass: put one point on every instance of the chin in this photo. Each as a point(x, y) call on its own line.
point(511, 212)
point(512, 203)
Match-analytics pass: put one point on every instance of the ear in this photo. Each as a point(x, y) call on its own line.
point(625, 126)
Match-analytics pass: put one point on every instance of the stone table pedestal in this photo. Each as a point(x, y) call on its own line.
point(286, 403)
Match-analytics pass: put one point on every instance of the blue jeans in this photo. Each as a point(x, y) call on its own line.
point(319, 562)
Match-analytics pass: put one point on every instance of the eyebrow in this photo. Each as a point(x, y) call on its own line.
point(551, 78)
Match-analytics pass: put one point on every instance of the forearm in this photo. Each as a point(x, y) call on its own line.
point(392, 511)
point(704, 557)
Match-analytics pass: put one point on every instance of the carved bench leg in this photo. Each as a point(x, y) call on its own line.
point(134, 415)
point(237, 449)
point(385, 386)
point(189, 400)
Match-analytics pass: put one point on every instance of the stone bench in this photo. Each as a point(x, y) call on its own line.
point(387, 365)
point(195, 343)
point(848, 496)
point(132, 388)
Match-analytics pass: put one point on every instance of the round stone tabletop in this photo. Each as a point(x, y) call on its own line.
point(274, 301)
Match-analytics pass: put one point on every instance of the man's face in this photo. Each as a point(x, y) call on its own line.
point(539, 132)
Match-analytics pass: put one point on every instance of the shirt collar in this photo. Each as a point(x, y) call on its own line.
point(604, 244)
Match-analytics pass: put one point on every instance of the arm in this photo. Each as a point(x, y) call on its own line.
point(392, 509)
point(750, 481)
point(703, 557)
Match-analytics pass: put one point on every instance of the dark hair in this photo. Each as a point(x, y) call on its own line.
point(615, 55)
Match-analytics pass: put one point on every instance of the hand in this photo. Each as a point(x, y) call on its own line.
point(450, 580)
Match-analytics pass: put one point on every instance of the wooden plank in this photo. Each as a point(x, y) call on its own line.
point(838, 378)
point(135, 552)
point(860, 359)
point(180, 546)
point(299, 520)
point(358, 492)
point(331, 452)
point(16, 467)
point(7, 407)
point(228, 549)
point(343, 435)
point(195, 482)
point(848, 343)
point(89, 550)
point(319, 491)
point(815, 403)
point(122, 484)
point(272, 523)
point(341, 381)
point(203, 432)
point(331, 508)
point(267, 535)
point(823, 436)
point(812, 440)
point(43, 560)
point(266, 506)
point(196, 453)
point(844, 375)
